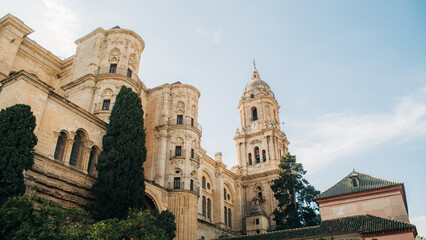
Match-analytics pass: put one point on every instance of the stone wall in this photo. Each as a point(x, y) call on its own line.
point(210, 231)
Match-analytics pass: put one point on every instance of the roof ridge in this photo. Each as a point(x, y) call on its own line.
point(378, 177)
point(367, 182)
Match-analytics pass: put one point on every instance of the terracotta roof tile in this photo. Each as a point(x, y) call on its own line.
point(362, 224)
point(366, 183)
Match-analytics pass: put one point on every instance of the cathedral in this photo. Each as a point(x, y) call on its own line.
point(72, 100)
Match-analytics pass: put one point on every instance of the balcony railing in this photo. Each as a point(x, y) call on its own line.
point(185, 122)
point(120, 71)
point(177, 154)
point(195, 156)
point(101, 107)
point(181, 186)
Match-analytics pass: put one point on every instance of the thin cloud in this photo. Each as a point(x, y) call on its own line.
point(64, 24)
point(215, 37)
point(333, 136)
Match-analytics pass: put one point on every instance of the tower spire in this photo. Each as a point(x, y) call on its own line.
point(256, 75)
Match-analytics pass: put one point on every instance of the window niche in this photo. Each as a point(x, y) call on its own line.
point(257, 154)
point(254, 114)
point(176, 183)
point(93, 159)
point(77, 151)
point(113, 68)
point(60, 147)
point(106, 104)
point(203, 182)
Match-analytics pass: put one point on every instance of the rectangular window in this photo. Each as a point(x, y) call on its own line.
point(113, 68)
point(179, 119)
point(257, 221)
point(129, 73)
point(192, 122)
point(105, 104)
point(192, 153)
point(176, 183)
point(178, 151)
point(191, 186)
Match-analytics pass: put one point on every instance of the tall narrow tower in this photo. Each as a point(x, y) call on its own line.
point(260, 144)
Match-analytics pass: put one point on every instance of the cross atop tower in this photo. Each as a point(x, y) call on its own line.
point(255, 72)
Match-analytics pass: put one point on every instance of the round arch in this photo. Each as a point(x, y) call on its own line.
point(150, 203)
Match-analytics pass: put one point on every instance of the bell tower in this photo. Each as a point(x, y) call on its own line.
point(260, 144)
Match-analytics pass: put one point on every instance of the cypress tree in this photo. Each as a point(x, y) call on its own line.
point(296, 205)
point(17, 140)
point(120, 183)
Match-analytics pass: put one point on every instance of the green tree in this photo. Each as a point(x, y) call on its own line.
point(19, 220)
point(166, 221)
point(296, 205)
point(139, 224)
point(17, 140)
point(120, 183)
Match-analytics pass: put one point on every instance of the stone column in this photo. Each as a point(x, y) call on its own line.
point(184, 206)
point(161, 157)
point(239, 161)
point(68, 147)
point(86, 155)
point(219, 199)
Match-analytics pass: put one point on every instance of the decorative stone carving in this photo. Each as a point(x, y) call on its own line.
point(114, 55)
point(180, 107)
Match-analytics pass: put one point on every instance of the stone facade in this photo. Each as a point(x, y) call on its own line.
point(72, 100)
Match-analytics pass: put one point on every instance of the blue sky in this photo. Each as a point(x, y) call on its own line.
point(350, 76)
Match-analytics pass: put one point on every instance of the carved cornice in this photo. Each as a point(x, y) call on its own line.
point(10, 20)
point(172, 86)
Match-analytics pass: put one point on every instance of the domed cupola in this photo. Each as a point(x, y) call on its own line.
point(256, 87)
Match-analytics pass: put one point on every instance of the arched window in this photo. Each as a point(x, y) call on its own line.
point(93, 159)
point(203, 182)
point(60, 147)
point(254, 114)
point(264, 155)
point(203, 207)
point(260, 195)
point(229, 218)
point(209, 209)
point(224, 193)
point(77, 149)
point(257, 154)
point(250, 161)
point(225, 215)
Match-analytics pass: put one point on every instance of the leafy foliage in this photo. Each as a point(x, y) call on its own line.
point(296, 205)
point(138, 225)
point(120, 183)
point(17, 140)
point(166, 221)
point(19, 220)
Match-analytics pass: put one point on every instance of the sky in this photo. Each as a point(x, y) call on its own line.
point(350, 76)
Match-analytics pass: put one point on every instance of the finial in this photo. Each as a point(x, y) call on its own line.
point(254, 63)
